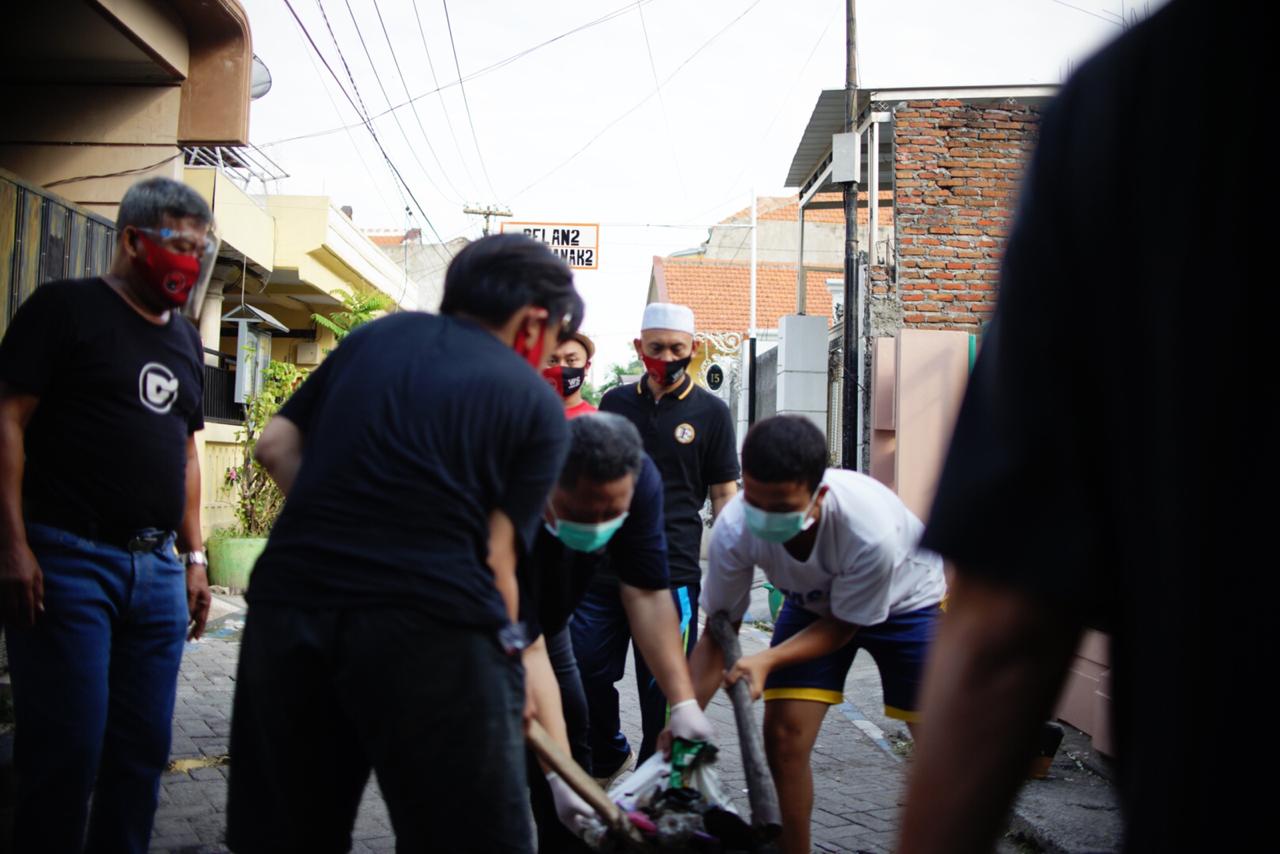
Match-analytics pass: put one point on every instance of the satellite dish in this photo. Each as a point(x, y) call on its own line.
point(260, 81)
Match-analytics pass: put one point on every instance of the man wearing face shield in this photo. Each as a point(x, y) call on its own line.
point(605, 513)
point(566, 371)
point(417, 460)
point(689, 434)
point(101, 390)
point(842, 547)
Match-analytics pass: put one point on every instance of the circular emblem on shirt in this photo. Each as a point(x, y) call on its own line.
point(685, 433)
point(157, 387)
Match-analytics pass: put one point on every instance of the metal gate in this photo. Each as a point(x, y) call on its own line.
point(44, 238)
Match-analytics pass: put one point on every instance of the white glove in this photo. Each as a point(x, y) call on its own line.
point(688, 722)
point(570, 807)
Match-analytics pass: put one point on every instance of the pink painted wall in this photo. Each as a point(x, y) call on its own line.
point(883, 425)
point(932, 369)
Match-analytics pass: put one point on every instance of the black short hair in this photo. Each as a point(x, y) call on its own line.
point(602, 447)
point(146, 203)
point(494, 277)
point(785, 449)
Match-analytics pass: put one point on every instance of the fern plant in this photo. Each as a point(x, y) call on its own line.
point(358, 309)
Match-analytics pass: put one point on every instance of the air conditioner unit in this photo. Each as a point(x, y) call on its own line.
point(308, 353)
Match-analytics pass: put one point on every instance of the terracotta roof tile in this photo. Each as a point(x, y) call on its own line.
point(786, 209)
point(719, 291)
point(392, 238)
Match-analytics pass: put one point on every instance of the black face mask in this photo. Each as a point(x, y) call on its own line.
point(564, 380)
point(666, 373)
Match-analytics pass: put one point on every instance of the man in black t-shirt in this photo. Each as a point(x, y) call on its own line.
point(689, 434)
point(606, 510)
point(417, 460)
point(101, 386)
point(1105, 470)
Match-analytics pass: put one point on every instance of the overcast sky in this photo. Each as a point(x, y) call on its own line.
point(573, 131)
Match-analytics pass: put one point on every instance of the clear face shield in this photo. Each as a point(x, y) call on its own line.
point(178, 264)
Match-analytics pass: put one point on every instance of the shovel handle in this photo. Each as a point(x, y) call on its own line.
point(766, 817)
point(580, 781)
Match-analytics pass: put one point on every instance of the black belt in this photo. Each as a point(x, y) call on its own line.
point(148, 540)
point(129, 539)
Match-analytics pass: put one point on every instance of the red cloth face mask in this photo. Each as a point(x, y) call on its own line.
point(532, 355)
point(665, 373)
point(564, 380)
point(170, 275)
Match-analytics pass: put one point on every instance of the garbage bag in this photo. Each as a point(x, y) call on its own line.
point(678, 804)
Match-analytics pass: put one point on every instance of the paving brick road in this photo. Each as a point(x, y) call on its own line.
point(858, 778)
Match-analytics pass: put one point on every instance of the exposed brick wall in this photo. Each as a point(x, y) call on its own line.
point(957, 169)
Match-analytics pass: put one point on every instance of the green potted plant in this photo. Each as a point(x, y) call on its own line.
point(258, 501)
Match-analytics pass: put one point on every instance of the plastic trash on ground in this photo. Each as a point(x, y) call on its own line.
point(677, 805)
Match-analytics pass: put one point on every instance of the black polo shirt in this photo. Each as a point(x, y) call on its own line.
point(689, 435)
point(554, 578)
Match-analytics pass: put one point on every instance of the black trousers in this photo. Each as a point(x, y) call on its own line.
point(601, 633)
point(324, 697)
point(554, 837)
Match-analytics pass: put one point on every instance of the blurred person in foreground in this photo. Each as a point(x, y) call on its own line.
point(1084, 486)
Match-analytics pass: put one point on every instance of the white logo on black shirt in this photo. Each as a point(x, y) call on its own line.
point(157, 387)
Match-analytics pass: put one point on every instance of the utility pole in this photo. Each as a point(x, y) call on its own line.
point(851, 420)
point(752, 333)
point(488, 212)
point(752, 326)
point(404, 242)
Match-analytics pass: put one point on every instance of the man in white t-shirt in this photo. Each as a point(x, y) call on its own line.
point(843, 550)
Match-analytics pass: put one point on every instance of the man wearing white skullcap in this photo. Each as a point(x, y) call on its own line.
point(689, 434)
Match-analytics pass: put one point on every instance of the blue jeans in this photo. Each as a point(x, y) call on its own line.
point(93, 693)
point(600, 637)
point(573, 700)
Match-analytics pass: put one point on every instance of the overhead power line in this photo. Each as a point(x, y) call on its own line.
point(413, 151)
point(662, 102)
point(472, 76)
point(373, 182)
point(638, 104)
point(405, 85)
point(435, 81)
point(1114, 20)
point(390, 163)
point(465, 103)
point(362, 111)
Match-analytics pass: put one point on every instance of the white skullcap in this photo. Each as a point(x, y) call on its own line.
point(667, 315)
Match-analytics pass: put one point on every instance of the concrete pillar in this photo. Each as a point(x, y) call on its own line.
point(802, 368)
point(211, 321)
point(802, 298)
point(210, 337)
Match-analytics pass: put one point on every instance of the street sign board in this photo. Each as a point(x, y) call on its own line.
point(577, 243)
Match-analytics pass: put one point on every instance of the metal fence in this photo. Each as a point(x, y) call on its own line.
point(220, 391)
point(44, 238)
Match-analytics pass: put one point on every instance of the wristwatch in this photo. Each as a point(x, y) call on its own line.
point(514, 639)
point(196, 557)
